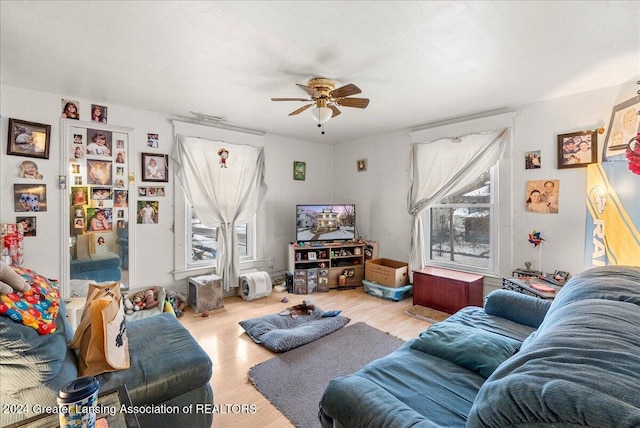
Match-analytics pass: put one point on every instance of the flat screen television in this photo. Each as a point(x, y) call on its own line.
point(327, 222)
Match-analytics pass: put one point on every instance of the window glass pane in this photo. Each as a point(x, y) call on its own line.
point(204, 243)
point(477, 192)
point(461, 235)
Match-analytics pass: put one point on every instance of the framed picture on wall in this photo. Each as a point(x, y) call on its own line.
point(577, 149)
point(155, 167)
point(28, 225)
point(28, 139)
point(299, 170)
point(624, 125)
point(30, 197)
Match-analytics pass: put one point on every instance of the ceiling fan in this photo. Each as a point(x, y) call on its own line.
point(326, 99)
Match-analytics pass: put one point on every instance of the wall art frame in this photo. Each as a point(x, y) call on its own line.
point(577, 149)
point(624, 125)
point(299, 170)
point(29, 197)
point(29, 139)
point(155, 167)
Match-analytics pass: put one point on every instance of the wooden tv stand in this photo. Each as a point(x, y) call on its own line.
point(334, 257)
point(446, 290)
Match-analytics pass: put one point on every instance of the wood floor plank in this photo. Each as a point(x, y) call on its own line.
point(233, 353)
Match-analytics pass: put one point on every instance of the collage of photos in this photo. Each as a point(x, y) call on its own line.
point(99, 196)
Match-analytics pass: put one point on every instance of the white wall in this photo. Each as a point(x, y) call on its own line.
point(381, 192)
point(154, 249)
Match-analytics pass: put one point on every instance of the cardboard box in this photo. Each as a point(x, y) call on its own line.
point(390, 273)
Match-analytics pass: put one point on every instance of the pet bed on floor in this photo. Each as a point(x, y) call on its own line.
point(281, 333)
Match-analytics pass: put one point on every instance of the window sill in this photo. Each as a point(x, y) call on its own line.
point(260, 264)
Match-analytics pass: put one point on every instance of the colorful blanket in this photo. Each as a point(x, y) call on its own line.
point(36, 308)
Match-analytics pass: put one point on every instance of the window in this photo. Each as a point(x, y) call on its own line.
point(202, 244)
point(461, 226)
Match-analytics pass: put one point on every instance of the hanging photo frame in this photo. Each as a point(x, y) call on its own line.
point(577, 149)
point(624, 125)
point(155, 167)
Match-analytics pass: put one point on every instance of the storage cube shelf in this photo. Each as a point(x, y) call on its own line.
point(319, 267)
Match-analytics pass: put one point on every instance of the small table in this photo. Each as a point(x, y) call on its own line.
point(531, 286)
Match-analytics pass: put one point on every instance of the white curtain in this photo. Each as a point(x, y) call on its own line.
point(224, 191)
point(441, 167)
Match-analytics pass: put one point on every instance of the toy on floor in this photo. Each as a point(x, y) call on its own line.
point(177, 302)
point(304, 308)
point(141, 300)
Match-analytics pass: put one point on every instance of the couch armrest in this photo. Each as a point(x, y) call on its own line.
point(517, 307)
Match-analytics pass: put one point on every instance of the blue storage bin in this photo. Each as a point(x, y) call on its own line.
point(388, 293)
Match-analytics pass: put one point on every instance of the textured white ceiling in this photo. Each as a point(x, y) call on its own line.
point(418, 62)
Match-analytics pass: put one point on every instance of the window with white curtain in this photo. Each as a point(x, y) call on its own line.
point(196, 248)
point(460, 227)
point(460, 195)
point(201, 242)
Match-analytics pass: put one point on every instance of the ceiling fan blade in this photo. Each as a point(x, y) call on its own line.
point(307, 89)
point(290, 99)
point(345, 91)
point(301, 109)
point(335, 110)
point(353, 102)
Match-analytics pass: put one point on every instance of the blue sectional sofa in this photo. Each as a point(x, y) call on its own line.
point(169, 370)
point(519, 362)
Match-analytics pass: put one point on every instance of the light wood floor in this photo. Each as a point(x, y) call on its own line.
point(233, 353)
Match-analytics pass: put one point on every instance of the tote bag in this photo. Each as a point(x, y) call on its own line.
point(101, 336)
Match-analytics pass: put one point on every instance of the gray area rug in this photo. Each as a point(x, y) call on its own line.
point(294, 381)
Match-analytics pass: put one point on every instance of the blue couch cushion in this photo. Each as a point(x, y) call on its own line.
point(517, 307)
point(412, 388)
point(28, 359)
point(472, 348)
point(162, 367)
point(579, 369)
point(33, 367)
point(616, 283)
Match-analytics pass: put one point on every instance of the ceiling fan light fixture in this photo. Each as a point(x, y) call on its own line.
point(321, 114)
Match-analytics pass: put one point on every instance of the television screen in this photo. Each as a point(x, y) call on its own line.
point(325, 222)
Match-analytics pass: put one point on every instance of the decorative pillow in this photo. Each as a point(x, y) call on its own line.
point(472, 348)
point(37, 307)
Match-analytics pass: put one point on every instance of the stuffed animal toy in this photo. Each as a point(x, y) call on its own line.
point(150, 300)
point(128, 305)
point(304, 308)
point(10, 281)
point(176, 302)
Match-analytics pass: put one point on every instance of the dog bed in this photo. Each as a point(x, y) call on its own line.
point(280, 333)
